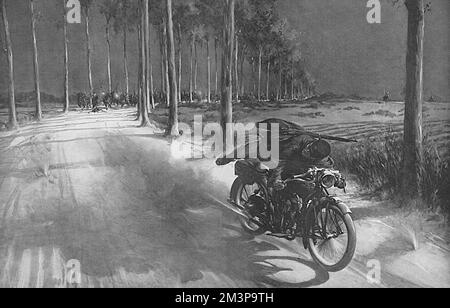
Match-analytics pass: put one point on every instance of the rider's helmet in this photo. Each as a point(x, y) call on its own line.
point(318, 149)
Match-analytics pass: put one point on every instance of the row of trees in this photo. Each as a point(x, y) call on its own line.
point(261, 40)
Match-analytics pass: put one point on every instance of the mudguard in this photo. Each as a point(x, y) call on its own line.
point(342, 206)
point(322, 203)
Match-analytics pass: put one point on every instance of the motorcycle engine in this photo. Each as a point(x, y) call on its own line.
point(287, 207)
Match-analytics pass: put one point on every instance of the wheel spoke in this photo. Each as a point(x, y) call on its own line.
point(325, 225)
point(337, 225)
point(246, 192)
point(322, 224)
point(333, 245)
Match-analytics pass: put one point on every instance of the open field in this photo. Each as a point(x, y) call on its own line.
point(342, 118)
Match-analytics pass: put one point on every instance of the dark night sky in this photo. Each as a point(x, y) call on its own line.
point(344, 52)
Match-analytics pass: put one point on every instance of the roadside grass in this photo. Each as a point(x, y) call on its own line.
point(377, 164)
point(382, 113)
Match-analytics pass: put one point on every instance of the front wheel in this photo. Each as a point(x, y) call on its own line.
point(332, 241)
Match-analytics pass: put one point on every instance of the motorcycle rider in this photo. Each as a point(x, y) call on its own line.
point(297, 155)
point(299, 151)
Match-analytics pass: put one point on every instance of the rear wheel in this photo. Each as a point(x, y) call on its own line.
point(332, 243)
point(241, 195)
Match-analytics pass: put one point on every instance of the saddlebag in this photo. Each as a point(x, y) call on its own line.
point(250, 171)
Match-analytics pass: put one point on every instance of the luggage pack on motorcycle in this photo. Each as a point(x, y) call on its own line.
point(250, 171)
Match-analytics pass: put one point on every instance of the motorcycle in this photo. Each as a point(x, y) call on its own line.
point(302, 209)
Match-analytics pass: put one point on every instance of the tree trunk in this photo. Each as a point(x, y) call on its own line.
point(195, 66)
point(268, 80)
point(292, 81)
point(152, 88)
point(191, 71)
point(280, 85)
point(241, 77)
point(150, 64)
point(236, 68)
point(217, 67)
point(226, 80)
point(161, 50)
point(166, 62)
point(12, 122)
point(37, 88)
point(66, 63)
point(413, 135)
point(147, 59)
point(125, 63)
point(145, 53)
point(254, 76)
point(180, 52)
point(108, 55)
point(140, 94)
point(88, 51)
point(209, 71)
point(259, 73)
point(173, 110)
point(286, 84)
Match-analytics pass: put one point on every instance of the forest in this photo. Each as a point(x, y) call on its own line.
point(261, 40)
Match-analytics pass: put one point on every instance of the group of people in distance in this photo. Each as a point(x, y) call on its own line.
point(106, 100)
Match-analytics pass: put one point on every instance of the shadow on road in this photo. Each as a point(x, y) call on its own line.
point(132, 217)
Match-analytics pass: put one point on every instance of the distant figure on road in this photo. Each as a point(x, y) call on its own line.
point(387, 96)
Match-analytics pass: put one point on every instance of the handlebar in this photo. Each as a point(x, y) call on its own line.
point(311, 174)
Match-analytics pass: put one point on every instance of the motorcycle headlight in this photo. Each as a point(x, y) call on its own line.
point(328, 180)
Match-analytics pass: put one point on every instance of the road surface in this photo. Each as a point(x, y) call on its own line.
point(97, 189)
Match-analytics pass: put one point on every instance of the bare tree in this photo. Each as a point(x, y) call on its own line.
point(37, 87)
point(12, 123)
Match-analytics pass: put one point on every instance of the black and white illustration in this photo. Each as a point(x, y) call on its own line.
point(224, 144)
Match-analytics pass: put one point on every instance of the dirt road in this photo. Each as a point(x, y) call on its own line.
point(97, 189)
